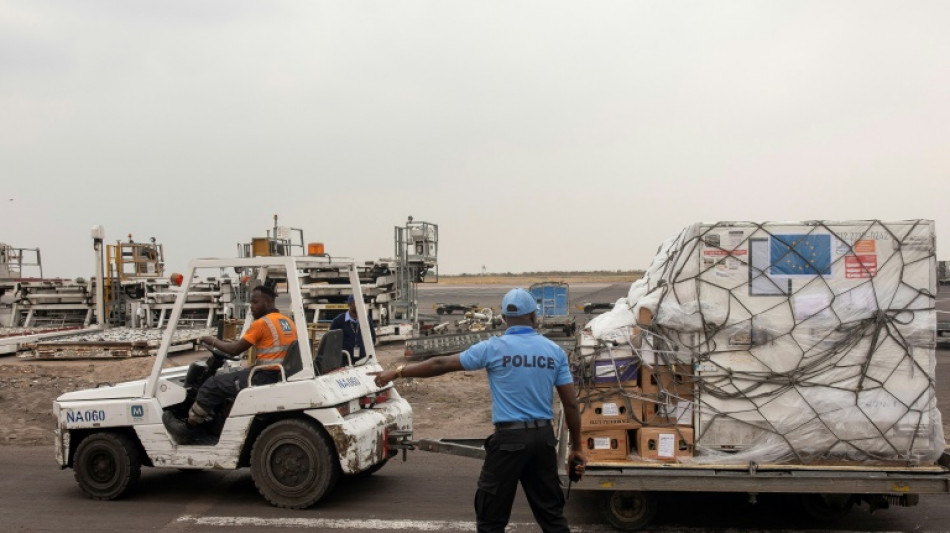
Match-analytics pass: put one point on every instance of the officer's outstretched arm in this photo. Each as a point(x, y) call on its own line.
point(426, 369)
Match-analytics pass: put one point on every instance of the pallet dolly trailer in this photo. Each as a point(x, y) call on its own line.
point(627, 499)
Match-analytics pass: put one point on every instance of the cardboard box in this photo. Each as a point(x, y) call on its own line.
point(667, 410)
point(616, 372)
point(606, 445)
point(614, 411)
point(664, 444)
point(676, 380)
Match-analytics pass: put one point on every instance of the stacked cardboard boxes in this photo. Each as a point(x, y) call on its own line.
point(611, 404)
point(668, 399)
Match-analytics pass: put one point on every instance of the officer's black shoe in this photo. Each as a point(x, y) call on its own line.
point(180, 431)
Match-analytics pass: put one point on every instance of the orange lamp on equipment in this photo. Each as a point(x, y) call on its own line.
point(315, 248)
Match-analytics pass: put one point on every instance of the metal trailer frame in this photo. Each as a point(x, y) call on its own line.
point(81, 301)
point(634, 481)
point(14, 343)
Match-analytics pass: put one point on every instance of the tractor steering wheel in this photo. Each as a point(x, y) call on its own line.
point(218, 354)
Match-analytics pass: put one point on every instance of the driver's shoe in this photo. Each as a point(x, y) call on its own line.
point(180, 431)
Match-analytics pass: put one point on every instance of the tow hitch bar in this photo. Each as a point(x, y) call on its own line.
point(402, 440)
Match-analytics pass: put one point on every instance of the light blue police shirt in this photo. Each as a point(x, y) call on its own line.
point(523, 369)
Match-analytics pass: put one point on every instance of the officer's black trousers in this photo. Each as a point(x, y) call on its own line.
point(221, 388)
point(525, 455)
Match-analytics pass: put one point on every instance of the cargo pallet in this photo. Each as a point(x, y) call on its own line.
point(13, 342)
point(87, 349)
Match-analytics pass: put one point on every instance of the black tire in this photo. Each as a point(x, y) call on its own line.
point(106, 465)
point(627, 510)
point(293, 464)
point(440, 311)
point(827, 507)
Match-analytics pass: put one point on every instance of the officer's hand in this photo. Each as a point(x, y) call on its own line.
point(384, 377)
point(578, 460)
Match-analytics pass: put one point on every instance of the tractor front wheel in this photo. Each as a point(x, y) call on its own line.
point(106, 465)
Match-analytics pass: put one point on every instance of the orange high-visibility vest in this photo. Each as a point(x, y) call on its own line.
point(271, 335)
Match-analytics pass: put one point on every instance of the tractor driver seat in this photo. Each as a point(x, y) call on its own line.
point(329, 353)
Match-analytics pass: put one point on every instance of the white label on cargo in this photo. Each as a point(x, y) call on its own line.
point(809, 305)
point(666, 446)
point(684, 412)
point(601, 443)
point(734, 238)
point(609, 409)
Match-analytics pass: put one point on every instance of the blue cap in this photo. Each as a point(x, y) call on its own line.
point(518, 302)
point(351, 299)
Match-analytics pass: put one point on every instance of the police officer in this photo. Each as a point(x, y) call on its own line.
point(523, 369)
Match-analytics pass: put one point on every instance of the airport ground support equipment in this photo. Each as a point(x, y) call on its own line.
point(324, 418)
point(32, 307)
point(118, 312)
point(389, 284)
point(784, 357)
point(553, 310)
point(449, 308)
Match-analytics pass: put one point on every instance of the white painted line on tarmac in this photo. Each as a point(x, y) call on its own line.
point(434, 525)
point(331, 523)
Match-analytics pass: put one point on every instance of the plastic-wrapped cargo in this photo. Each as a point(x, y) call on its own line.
point(808, 342)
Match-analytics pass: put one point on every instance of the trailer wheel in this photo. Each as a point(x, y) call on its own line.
point(293, 464)
point(440, 311)
point(827, 507)
point(628, 510)
point(106, 465)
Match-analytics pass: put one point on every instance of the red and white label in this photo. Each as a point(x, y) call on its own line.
point(860, 266)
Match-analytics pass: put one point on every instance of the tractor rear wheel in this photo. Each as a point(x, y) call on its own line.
point(106, 465)
point(293, 464)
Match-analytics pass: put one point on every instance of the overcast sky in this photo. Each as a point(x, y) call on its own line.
point(538, 135)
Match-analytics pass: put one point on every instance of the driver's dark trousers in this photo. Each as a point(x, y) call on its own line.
point(528, 456)
point(221, 388)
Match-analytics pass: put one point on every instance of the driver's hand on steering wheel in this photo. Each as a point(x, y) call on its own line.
point(207, 339)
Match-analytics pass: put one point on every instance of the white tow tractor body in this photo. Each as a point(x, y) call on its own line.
point(297, 435)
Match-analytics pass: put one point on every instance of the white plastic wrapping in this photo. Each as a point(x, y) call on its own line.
point(809, 342)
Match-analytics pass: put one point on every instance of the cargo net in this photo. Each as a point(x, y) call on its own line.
point(808, 343)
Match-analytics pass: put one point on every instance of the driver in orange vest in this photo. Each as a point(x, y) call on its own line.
point(271, 333)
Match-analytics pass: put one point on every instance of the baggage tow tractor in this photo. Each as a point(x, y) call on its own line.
point(324, 418)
